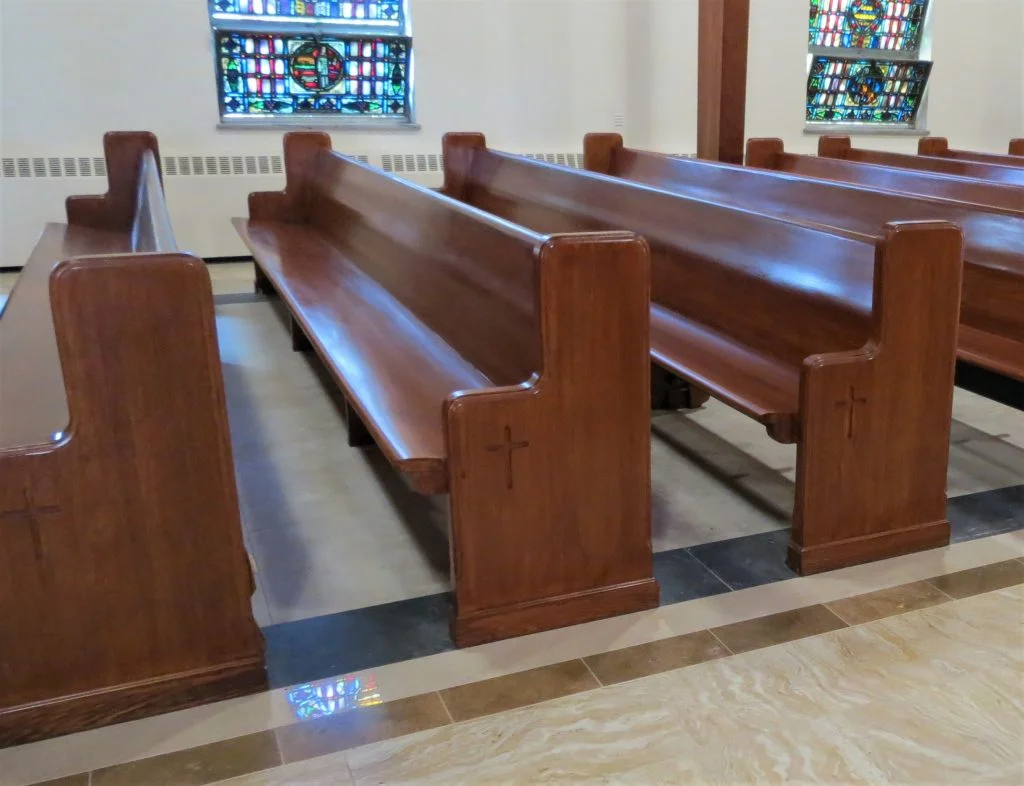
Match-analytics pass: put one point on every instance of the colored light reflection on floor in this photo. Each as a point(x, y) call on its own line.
point(331, 696)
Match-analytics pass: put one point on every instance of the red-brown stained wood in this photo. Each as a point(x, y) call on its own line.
point(1017, 147)
point(993, 294)
point(466, 349)
point(938, 147)
point(841, 147)
point(790, 325)
point(722, 33)
point(770, 154)
point(124, 583)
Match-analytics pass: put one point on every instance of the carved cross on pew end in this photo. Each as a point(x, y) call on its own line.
point(851, 403)
point(30, 511)
point(508, 447)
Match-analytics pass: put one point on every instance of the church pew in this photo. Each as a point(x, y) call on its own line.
point(1017, 147)
point(841, 147)
point(770, 154)
point(938, 147)
point(843, 346)
point(500, 366)
point(992, 314)
point(124, 583)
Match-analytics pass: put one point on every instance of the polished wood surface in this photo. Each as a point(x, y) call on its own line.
point(842, 147)
point(796, 327)
point(124, 583)
point(770, 154)
point(938, 147)
point(722, 33)
point(466, 348)
point(993, 292)
point(1017, 147)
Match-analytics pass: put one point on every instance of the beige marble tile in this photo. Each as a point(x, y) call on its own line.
point(329, 770)
point(989, 416)
point(229, 278)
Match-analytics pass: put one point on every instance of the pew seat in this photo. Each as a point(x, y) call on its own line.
point(393, 370)
point(465, 348)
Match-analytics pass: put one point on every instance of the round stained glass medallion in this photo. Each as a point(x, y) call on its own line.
point(865, 15)
point(317, 67)
point(866, 84)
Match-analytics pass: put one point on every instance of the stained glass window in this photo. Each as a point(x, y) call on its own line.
point(353, 61)
point(847, 83)
point(867, 24)
point(865, 91)
point(369, 12)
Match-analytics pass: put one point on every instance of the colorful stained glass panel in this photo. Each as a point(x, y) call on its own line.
point(868, 24)
point(329, 697)
point(307, 75)
point(352, 11)
point(866, 91)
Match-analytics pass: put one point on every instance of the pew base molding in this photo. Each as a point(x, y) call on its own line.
point(807, 560)
point(556, 612)
point(78, 712)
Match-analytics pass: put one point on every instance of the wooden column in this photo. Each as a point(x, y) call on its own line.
point(722, 79)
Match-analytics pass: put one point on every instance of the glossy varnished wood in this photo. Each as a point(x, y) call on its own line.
point(466, 349)
point(722, 32)
point(993, 294)
point(842, 147)
point(793, 326)
point(124, 584)
point(770, 154)
point(938, 147)
point(116, 210)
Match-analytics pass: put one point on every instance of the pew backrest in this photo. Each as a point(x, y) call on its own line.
point(938, 147)
point(842, 147)
point(702, 254)
point(770, 154)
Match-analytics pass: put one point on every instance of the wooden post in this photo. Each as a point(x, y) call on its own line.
point(722, 79)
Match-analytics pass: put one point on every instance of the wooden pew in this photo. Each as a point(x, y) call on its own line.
point(938, 147)
point(992, 314)
point(771, 154)
point(503, 367)
point(843, 346)
point(1017, 147)
point(124, 583)
point(841, 147)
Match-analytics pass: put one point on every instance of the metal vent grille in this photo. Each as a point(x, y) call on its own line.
point(410, 163)
point(574, 160)
point(51, 167)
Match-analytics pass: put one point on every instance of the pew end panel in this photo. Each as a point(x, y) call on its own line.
point(763, 153)
point(550, 497)
point(144, 578)
point(1016, 147)
point(115, 210)
point(849, 404)
point(936, 146)
point(599, 152)
point(301, 150)
point(830, 146)
point(457, 149)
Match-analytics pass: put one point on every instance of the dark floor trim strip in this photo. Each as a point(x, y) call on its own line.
point(239, 297)
point(351, 728)
point(361, 639)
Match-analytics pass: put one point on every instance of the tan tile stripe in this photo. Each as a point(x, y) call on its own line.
point(218, 761)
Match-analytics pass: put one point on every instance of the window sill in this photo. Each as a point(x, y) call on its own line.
point(861, 129)
point(317, 124)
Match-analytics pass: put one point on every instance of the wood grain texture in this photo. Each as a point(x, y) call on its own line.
point(938, 147)
point(466, 348)
point(993, 295)
point(723, 29)
point(770, 154)
point(124, 583)
point(92, 595)
point(842, 147)
point(790, 325)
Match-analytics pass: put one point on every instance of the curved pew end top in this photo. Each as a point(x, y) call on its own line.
point(115, 210)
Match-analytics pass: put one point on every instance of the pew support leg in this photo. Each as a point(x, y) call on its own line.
point(358, 435)
point(300, 341)
point(669, 392)
point(262, 284)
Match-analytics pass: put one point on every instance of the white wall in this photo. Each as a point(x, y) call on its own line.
point(535, 75)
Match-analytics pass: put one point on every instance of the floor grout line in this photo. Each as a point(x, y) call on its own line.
point(592, 674)
point(448, 712)
point(719, 640)
point(931, 583)
point(708, 568)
